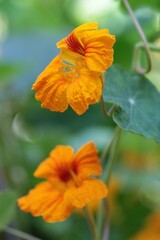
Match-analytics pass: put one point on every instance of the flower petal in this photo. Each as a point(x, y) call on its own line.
point(81, 28)
point(85, 90)
point(51, 87)
point(87, 161)
point(91, 189)
point(73, 58)
point(59, 212)
point(44, 201)
point(86, 27)
point(59, 157)
point(99, 51)
point(88, 46)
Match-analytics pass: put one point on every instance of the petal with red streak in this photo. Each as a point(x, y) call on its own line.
point(87, 161)
point(60, 156)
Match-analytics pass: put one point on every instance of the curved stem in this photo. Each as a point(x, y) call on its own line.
point(153, 47)
point(110, 111)
point(143, 38)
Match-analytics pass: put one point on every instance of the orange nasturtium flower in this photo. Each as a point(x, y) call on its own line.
point(69, 184)
point(74, 77)
point(61, 84)
point(88, 46)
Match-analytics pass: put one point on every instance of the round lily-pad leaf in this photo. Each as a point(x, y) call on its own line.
point(137, 99)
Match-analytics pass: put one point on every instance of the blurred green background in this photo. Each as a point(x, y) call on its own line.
point(29, 30)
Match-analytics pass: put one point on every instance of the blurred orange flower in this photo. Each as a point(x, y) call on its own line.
point(61, 84)
point(87, 46)
point(69, 183)
point(151, 229)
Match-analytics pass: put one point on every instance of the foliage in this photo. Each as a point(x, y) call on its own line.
point(138, 102)
point(7, 207)
point(29, 31)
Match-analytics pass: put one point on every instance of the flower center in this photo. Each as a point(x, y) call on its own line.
point(70, 73)
point(65, 175)
point(68, 173)
point(74, 45)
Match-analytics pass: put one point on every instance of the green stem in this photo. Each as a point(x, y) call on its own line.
point(19, 233)
point(153, 47)
point(91, 222)
point(106, 177)
point(107, 148)
point(113, 154)
point(100, 218)
point(110, 111)
point(105, 152)
point(143, 38)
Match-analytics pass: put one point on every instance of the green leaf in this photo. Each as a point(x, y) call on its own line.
point(138, 102)
point(7, 207)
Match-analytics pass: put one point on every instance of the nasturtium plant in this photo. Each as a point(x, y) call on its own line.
point(78, 181)
point(137, 101)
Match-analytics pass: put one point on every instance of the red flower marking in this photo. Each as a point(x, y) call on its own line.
point(74, 45)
